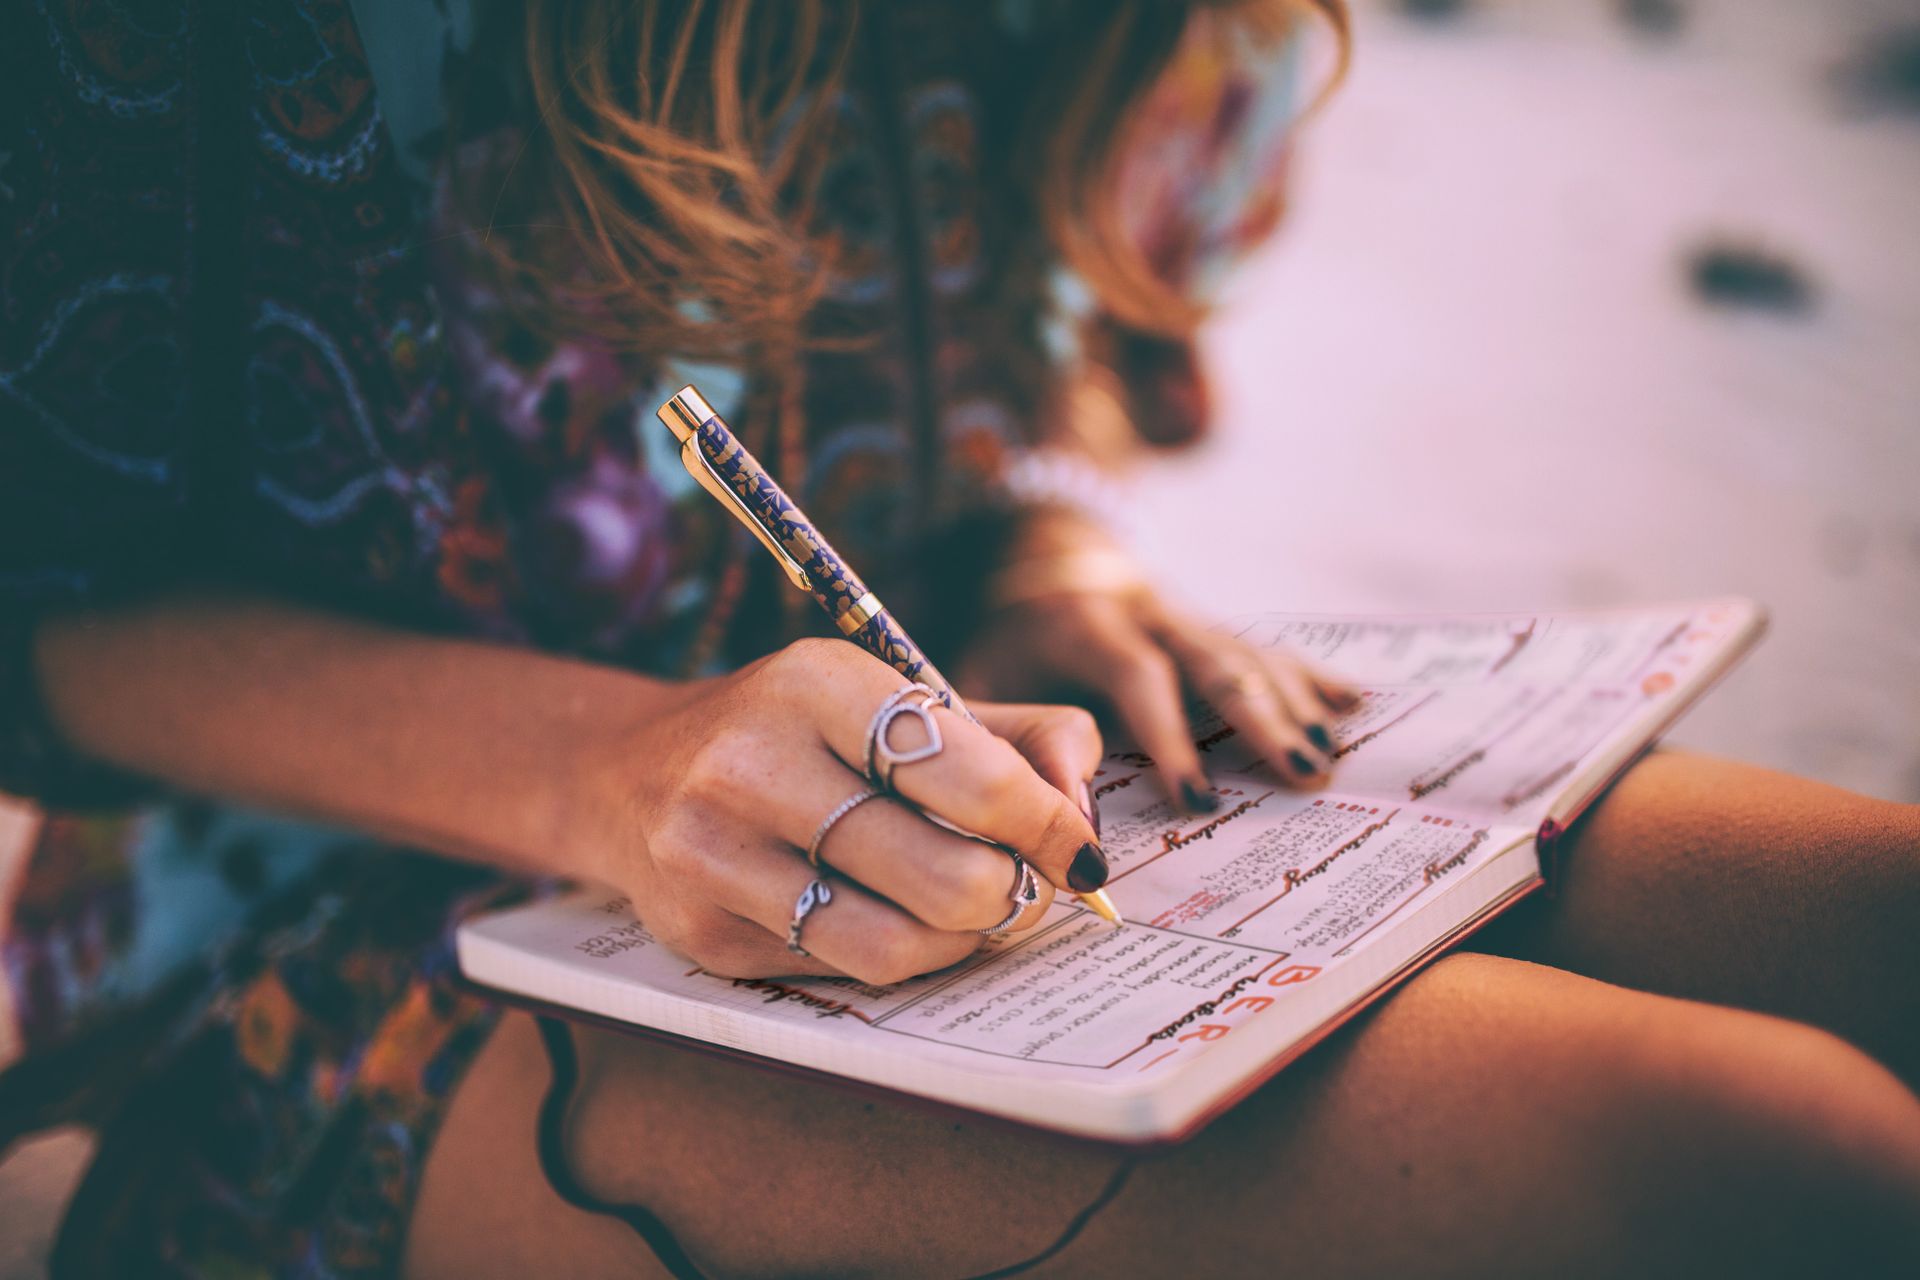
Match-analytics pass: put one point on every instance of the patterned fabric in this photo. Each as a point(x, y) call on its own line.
point(237, 342)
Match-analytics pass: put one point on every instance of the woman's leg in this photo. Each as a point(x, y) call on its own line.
point(1493, 1118)
point(1728, 883)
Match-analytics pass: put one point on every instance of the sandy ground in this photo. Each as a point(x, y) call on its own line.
point(1472, 373)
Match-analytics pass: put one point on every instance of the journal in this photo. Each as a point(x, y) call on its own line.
point(1252, 932)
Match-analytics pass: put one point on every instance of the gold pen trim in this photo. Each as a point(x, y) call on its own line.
point(684, 415)
point(859, 614)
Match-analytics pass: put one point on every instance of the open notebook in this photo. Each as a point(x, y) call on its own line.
point(1254, 931)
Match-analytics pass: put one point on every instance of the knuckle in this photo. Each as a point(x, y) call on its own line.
point(812, 653)
point(674, 850)
point(1080, 724)
point(723, 768)
point(788, 667)
point(976, 892)
point(1003, 776)
point(891, 952)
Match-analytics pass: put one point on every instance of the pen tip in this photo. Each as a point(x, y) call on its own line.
point(1102, 906)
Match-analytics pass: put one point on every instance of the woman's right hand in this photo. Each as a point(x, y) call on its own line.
point(706, 812)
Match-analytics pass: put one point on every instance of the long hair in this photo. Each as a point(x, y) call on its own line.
point(661, 194)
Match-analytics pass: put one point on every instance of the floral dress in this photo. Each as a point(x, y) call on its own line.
point(237, 344)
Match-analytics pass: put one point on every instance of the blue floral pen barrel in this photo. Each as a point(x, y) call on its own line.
point(725, 469)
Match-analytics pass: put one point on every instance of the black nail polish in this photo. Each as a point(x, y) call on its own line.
point(1317, 734)
point(1301, 764)
point(1198, 800)
point(1090, 805)
point(1089, 869)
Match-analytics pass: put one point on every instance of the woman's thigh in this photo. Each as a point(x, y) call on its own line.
point(1494, 1117)
point(1730, 883)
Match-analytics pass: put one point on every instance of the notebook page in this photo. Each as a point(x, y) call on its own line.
point(1492, 717)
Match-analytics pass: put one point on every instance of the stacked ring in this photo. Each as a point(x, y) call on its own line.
point(881, 758)
point(1026, 892)
point(817, 894)
point(840, 811)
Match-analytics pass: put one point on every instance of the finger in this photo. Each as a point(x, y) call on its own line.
point(982, 784)
point(975, 780)
point(1301, 693)
point(1301, 680)
point(1335, 692)
point(854, 931)
point(1235, 681)
point(1061, 743)
point(1142, 682)
point(943, 879)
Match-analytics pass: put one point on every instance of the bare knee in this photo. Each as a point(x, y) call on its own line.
point(1731, 1140)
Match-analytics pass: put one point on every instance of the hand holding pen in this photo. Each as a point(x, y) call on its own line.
point(905, 742)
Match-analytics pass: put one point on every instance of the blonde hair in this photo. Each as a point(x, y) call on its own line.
point(678, 142)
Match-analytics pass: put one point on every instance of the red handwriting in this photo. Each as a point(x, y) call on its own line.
point(1434, 870)
point(1520, 795)
point(1171, 840)
point(1365, 738)
point(1215, 738)
point(1419, 789)
point(1203, 1010)
point(1295, 877)
point(1292, 974)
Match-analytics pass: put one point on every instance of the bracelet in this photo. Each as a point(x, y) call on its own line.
point(1060, 478)
point(1087, 571)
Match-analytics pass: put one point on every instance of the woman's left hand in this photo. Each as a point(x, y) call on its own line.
point(1123, 646)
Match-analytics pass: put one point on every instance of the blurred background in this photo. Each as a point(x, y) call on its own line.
point(1588, 303)
point(1580, 303)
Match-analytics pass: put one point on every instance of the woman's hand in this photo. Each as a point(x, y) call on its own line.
point(708, 810)
point(1094, 635)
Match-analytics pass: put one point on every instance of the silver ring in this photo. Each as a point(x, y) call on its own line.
point(817, 894)
point(1026, 892)
point(882, 759)
point(840, 811)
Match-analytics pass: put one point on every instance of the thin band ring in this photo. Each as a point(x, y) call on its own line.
point(840, 811)
point(1026, 892)
point(818, 893)
point(881, 758)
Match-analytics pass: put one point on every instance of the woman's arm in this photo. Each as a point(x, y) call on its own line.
point(697, 798)
point(465, 748)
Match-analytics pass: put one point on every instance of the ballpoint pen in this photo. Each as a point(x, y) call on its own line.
point(722, 466)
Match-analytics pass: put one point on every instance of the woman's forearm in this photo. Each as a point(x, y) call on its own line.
point(459, 747)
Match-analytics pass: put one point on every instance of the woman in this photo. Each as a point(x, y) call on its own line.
point(321, 493)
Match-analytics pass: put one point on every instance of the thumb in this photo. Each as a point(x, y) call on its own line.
point(1062, 744)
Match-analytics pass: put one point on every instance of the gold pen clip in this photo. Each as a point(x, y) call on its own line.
point(684, 414)
point(695, 460)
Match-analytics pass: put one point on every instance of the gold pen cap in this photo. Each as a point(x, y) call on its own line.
point(684, 413)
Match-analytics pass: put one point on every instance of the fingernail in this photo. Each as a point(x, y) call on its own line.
point(1301, 764)
point(1198, 800)
point(1089, 869)
point(1090, 806)
point(1317, 734)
